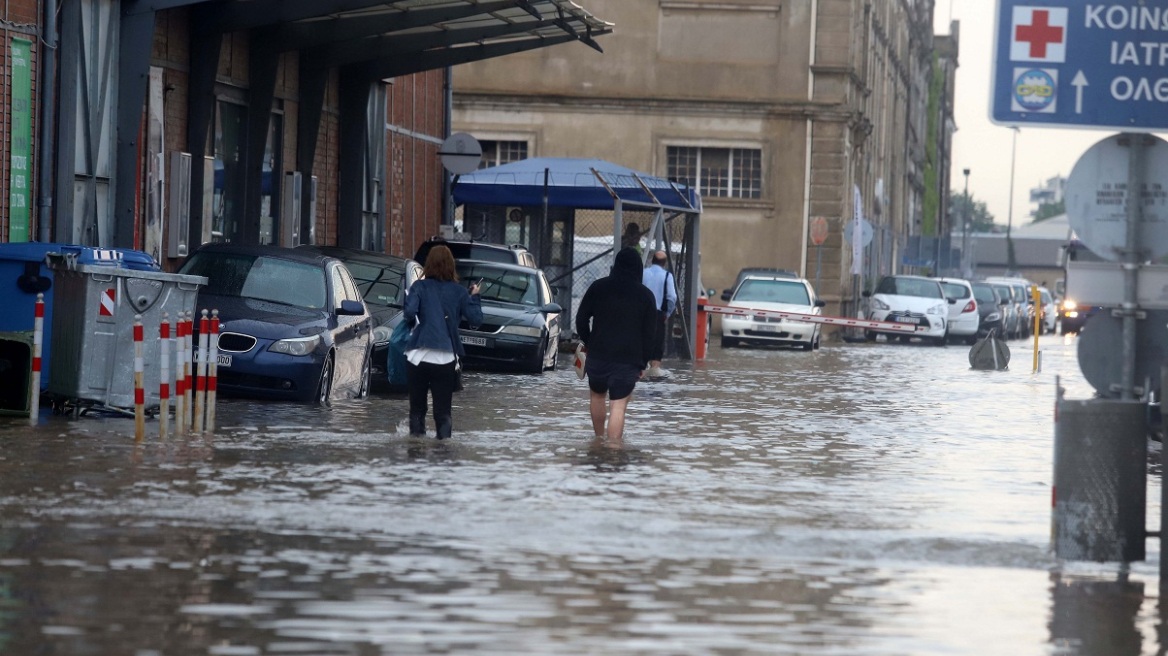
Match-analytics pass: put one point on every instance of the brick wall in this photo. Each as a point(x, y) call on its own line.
point(416, 128)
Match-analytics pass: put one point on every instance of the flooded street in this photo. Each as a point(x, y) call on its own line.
point(861, 499)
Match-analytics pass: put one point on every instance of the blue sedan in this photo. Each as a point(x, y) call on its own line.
point(292, 323)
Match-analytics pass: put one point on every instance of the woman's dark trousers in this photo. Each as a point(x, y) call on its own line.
point(437, 379)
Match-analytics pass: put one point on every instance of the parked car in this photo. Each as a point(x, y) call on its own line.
point(779, 292)
point(990, 308)
point(521, 323)
point(1072, 316)
point(756, 271)
point(1023, 303)
point(292, 324)
point(1011, 319)
point(964, 318)
point(1049, 310)
point(913, 300)
point(382, 281)
point(478, 250)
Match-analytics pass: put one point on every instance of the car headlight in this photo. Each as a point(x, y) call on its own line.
point(937, 309)
point(381, 335)
point(993, 316)
point(1069, 304)
point(878, 304)
point(297, 346)
point(526, 331)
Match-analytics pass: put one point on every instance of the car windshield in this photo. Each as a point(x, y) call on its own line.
point(910, 287)
point(379, 285)
point(773, 291)
point(502, 285)
point(262, 278)
point(954, 290)
point(984, 294)
point(1045, 296)
point(1004, 292)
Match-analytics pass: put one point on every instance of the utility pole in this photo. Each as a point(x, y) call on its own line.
point(966, 217)
point(1011, 261)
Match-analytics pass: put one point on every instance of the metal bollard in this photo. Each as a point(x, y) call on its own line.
point(139, 390)
point(1099, 496)
point(212, 370)
point(201, 380)
point(34, 383)
point(188, 370)
point(164, 376)
point(180, 382)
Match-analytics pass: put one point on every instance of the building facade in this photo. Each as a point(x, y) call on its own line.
point(164, 125)
point(777, 111)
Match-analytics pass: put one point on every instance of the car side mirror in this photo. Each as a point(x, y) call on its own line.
point(351, 308)
point(551, 308)
point(820, 303)
point(726, 294)
point(952, 301)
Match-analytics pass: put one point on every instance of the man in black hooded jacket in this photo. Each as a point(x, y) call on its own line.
point(616, 320)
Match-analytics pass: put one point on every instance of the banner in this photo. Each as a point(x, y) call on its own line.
point(858, 235)
point(20, 165)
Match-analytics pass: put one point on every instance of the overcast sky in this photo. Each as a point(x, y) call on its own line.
point(984, 148)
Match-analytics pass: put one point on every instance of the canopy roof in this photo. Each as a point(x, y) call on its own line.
point(570, 182)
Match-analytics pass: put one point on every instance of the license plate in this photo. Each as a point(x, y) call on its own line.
point(473, 341)
point(223, 359)
point(906, 319)
point(767, 329)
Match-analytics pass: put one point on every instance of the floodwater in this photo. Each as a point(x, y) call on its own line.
point(862, 499)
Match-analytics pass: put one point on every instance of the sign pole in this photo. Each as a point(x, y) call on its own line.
point(1131, 259)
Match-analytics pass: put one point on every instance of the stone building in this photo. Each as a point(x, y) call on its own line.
point(777, 110)
point(162, 125)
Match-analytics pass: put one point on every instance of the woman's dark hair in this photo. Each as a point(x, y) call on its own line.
point(440, 265)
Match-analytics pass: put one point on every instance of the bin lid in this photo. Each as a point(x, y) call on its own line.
point(34, 251)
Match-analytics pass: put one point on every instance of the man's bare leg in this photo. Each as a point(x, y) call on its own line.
point(596, 406)
point(616, 418)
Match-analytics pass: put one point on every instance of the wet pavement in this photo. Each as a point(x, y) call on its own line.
point(861, 499)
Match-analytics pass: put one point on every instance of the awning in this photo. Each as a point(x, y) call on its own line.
point(571, 182)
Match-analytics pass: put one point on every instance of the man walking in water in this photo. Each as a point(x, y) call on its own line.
point(659, 281)
point(616, 321)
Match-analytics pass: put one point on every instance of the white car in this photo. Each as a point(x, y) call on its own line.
point(964, 318)
point(772, 292)
point(913, 300)
point(1049, 310)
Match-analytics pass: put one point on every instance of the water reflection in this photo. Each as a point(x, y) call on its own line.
point(868, 499)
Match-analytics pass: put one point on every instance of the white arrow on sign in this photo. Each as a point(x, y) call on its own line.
point(1079, 82)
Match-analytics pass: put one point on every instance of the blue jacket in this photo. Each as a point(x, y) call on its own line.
point(437, 306)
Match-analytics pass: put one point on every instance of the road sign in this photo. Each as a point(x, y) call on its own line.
point(1096, 197)
point(461, 153)
point(865, 232)
point(818, 230)
point(1080, 64)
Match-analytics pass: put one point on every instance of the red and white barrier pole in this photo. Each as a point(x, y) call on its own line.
point(212, 370)
point(700, 331)
point(180, 382)
point(164, 377)
point(34, 384)
point(139, 392)
point(188, 370)
point(201, 381)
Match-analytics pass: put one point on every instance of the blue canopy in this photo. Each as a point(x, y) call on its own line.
point(570, 182)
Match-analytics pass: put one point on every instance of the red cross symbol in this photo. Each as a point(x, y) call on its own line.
point(1039, 33)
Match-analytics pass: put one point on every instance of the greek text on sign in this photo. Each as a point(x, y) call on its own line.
point(106, 307)
point(1092, 64)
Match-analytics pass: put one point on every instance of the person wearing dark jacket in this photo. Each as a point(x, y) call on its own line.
point(435, 304)
point(616, 321)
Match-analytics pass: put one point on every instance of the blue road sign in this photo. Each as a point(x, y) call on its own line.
point(1072, 63)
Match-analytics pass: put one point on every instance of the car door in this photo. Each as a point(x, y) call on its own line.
point(350, 332)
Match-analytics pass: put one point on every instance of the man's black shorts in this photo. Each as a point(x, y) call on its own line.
point(616, 379)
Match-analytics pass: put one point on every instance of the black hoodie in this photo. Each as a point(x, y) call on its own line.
point(617, 317)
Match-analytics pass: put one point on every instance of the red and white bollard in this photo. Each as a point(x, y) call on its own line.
point(212, 370)
point(164, 377)
point(139, 392)
point(180, 382)
point(34, 384)
point(188, 370)
point(201, 381)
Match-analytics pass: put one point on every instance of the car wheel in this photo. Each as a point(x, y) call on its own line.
point(728, 342)
point(324, 388)
point(940, 341)
point(904, 339)
point(366, 375)
point(807, 346)
point(537, 366)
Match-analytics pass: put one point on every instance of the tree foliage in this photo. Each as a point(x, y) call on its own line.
point(962, 209)
point(1048, 210)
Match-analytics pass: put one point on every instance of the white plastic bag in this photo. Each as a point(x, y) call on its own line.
point(581, 356)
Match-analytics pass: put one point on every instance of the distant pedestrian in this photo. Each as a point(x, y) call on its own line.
point(632, 237)
point(616, 321)
point(435, 304)
point(659, 281)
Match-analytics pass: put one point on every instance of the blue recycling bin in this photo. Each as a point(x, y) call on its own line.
point(24, 274)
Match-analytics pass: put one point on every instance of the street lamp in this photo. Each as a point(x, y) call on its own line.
point(1011, 263)
point(965, 220)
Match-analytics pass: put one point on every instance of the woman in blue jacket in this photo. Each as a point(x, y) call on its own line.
point(434, 306)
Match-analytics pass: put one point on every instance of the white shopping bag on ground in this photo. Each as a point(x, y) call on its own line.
point(578, 364)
